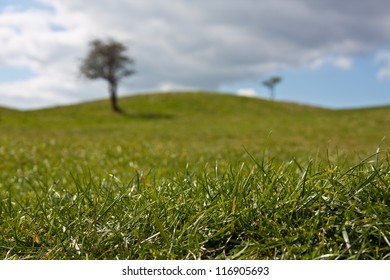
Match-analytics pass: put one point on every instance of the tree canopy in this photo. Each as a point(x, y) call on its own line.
point(108, 61)
point(271, 83)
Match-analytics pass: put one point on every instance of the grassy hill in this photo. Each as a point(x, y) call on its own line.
point(194, 175)
point(211, 126)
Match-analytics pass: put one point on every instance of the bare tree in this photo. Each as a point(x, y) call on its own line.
point(271, 83)
point(108, 61)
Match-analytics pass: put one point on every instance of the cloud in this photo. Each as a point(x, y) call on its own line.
point(340, 62)
point(248, 92)
point(343, 63)
point(383, 59)
point(170, 86)
point(192, 44)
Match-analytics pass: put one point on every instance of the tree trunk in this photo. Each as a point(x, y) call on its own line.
point(113, 97)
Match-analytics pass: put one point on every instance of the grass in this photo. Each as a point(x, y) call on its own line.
point(194, 176)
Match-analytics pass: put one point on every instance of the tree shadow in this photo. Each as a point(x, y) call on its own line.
point(146, 115)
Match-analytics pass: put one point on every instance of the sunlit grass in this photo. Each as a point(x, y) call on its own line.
point(266, 211)
point(194, 177)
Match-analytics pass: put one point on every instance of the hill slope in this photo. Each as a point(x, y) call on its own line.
point(175, 129)
point(183, 176)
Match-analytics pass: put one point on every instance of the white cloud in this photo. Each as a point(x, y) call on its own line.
point(341, 62)
point(248, 92)
point(185, 44)
point(383, 59)
point(170, 86)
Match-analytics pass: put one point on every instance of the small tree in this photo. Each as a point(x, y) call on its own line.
point(108, 61)
point(271, 83)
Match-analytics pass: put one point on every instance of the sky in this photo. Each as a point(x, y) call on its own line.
point(329, 53)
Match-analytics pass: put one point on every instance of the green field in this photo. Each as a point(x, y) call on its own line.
point(194, 176)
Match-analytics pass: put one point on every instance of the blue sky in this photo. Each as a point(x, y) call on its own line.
point(327, 86)
point(338, 88)
point(11, 74)
point(329, 53)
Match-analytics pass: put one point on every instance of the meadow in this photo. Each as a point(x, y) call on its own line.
point(194, 176)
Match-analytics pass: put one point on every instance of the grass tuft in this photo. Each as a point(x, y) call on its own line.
point(263, 211)
point(171, 179)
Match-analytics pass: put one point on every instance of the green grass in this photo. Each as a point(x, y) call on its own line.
point(194, 176)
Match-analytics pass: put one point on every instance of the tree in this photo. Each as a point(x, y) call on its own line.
point(108, 61)
point(271, 83)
